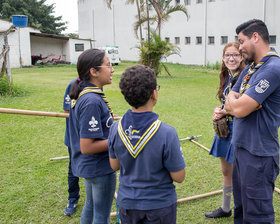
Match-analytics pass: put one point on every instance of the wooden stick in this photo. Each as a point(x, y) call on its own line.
point(189, 198)
point(199, 196)
point(40, 113)
point(113, 214)
point(190, 138)
point(36, 113)
point(200, 145)
point(275, 189)
point(59, 158)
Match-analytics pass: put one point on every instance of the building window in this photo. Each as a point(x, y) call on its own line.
point(211, 0)
point(236, 39)
point(187, 40)
point(177, 40)
point(198, 1)
point(198, 40)
point(150, 6)
point(79, 47)
point(211, 40)
point(187, 2)
point(272, 39)
point(167, 39)
point(224, 39)
point(177, 2)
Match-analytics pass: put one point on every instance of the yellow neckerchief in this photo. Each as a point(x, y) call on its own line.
point(135, 150)
point(253, 68)
point(93, 90)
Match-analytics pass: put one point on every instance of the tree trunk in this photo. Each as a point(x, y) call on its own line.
point(140, 28)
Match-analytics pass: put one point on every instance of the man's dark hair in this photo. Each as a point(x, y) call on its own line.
point(254, 25)
point(137, 85)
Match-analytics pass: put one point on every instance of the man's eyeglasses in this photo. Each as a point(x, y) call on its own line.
point(235, 56)
point(158, 87)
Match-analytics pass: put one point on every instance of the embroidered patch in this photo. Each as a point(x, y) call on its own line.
point(67, 99)
point(262, 86)
point(134, 150)
point(109, 122)
point(93, 124)
point(130, 133)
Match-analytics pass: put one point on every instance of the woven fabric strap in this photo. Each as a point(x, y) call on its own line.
point(232, 80)
point(93, 90)
point(253, 68)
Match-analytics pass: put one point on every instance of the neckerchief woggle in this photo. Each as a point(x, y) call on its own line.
point(135, 140)
point(253, 69)
point(230, 82)
point(93, 89)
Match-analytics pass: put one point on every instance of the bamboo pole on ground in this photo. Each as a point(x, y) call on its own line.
point(59, 158)
point(189, 198)
point(40, 113)
point(202, 146)
point(199, 196)
point(34, 113)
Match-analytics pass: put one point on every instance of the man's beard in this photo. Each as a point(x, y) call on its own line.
point(249, 59)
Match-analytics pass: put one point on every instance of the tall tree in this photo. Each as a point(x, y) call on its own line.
point(163, 9)
point(140, 9)
point(39, 14)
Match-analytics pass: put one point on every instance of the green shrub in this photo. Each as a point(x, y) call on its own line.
point(215, 66)
point(16, 90)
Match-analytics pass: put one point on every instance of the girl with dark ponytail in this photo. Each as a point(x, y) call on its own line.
point(89, 122)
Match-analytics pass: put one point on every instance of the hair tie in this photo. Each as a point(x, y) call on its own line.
point(79, 80)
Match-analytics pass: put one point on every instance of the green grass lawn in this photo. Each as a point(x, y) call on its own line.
point(33, 189)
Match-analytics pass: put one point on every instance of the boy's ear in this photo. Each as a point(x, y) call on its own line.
point(155, 95)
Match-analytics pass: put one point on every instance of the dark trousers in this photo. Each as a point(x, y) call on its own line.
point(165, 215)
point(253, 180)
point(73, 181)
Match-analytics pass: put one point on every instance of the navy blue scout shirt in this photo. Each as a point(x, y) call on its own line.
point(258, 132)
point(144, 181)
point(67, 106)
point(90, 118)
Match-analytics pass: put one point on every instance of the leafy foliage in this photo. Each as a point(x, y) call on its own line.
point(39, 14)
point(4, 88)
point(152, 53)
point(163, 9)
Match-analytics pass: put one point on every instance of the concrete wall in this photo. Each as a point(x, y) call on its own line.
point(20, 51)
point(48, 47)
point(73, 55)
point(109, 27)
point(218, 18)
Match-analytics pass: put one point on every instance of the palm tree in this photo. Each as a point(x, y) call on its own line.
point(108, 2)
point(139, 5)
point(163, 9)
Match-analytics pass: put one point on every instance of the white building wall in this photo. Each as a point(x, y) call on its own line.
point(73, 55)
point(18, 48)
point(109, 27)
point(218, 18)
point(50, 47)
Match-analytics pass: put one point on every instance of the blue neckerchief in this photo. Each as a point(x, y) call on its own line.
point(253, 68)
point(136, 129)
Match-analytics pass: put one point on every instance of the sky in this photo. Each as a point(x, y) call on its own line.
point(69, 11)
